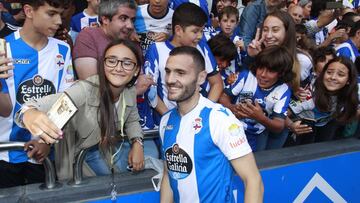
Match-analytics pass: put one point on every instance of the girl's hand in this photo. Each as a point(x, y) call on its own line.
point(299, 128)
point(303, 94)
point(39, 124)
point(136, 157)
point(254, 47)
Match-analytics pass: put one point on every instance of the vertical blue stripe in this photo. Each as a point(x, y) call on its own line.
point(139, 24)
point(170, 134)
point(213, 170)
point(22, 72)
point(63, 51)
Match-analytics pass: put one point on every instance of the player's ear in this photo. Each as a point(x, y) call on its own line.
point(201, 77)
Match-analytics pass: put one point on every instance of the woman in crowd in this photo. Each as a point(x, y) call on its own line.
point(106, 113)
point(335, 98)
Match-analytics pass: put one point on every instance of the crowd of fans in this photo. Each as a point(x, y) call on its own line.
point(287, 69)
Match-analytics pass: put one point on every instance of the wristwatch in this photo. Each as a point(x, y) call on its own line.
point(138, 140)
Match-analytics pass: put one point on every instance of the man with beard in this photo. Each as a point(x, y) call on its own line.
point(201, 140)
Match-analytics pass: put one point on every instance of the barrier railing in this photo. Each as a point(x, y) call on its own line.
point(50, 175)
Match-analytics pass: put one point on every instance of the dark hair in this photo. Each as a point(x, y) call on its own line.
point(345, 24)
point(222, 47)
point(275, 59)
point(195, 54)
point(229, 11)
point(316, 7)
point(319, 55)
point(106, 107)
point(347, 97)
point(109, 8)
point(354, 29)
point(349, 16)
point(188, 14)
point(54, 3)
point(301, 29)
point(289, 42)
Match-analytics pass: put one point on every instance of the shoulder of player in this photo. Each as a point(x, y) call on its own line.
point(57, 41)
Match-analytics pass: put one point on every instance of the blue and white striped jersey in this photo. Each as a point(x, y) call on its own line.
point(147, 26)
point(197, 148)
point(155, 61)
point(36, 74)
point(81, 21)
point(274, 101)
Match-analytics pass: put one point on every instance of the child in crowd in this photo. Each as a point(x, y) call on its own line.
point(87, 18)
point(153, 23)
point(335, 98)
point(225, 54)
point(228, 19)
point(262, 96)
point(187, 26)
point(321, 57)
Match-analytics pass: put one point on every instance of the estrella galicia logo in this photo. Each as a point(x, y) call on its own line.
point(34, 88)
point(178, 162)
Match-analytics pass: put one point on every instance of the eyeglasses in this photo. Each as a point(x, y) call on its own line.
point(112, 62)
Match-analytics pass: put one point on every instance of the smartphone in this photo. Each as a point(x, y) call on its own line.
point(334, 5)
point(246, 96)
point(308, 121)
point(3, 50)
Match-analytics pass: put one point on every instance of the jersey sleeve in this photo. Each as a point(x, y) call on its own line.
point(228, 134)
point(281, 106)
point(68, 76)
point(210, 62)
point(344, 51)
point(234, 89)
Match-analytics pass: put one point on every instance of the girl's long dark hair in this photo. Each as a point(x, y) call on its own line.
point(347, 97)
point(106, 112)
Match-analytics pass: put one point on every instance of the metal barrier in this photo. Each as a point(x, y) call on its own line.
point(129, 183)
point(50, 175)
point(79, 160)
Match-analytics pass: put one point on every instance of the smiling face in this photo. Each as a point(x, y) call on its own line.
point(121, 25)
point(190, 35)
point(273, 31)
point(266, 78)
point(117, 75)
point(336, 76)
